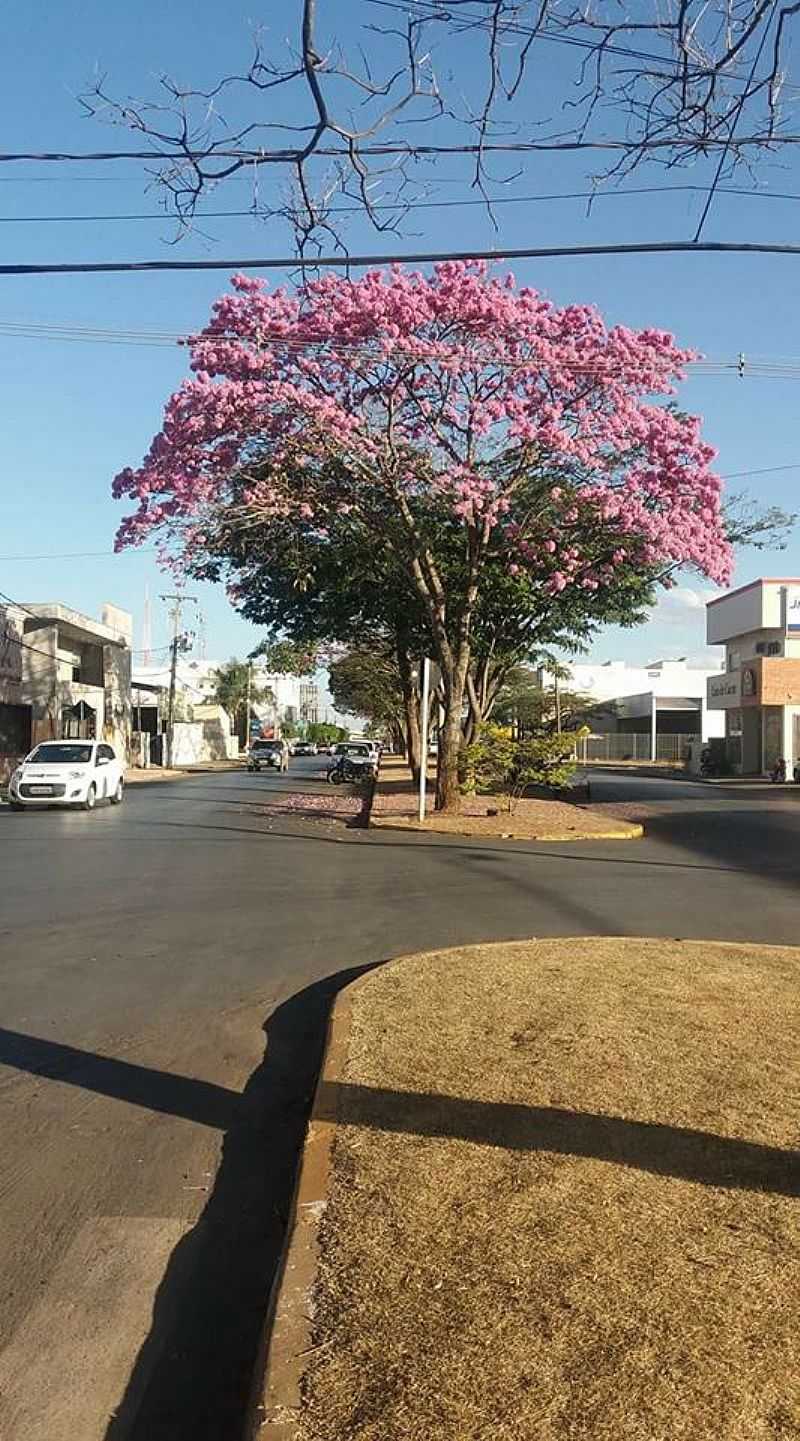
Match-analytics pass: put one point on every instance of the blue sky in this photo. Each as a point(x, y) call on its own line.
point(74, 413)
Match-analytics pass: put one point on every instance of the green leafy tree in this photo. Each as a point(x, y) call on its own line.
point(367, 683)
point(233, 683)
point(341, 587)
point(496, 764)
point(529, 706)
point(288, 657)
point(324, 733)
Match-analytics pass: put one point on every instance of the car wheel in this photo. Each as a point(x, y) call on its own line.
point(16, 805)
point(116, 799)
point(91, 798)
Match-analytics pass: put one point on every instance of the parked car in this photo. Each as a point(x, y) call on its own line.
point(361, 752)
point(305, 748)
point(67, 773)
point(268, 755)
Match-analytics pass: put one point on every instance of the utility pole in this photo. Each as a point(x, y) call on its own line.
point(177, 603)
point(558, 702)
point(423, 726)
point(247, 717)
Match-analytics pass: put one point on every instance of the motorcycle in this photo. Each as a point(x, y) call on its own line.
point(348, 770)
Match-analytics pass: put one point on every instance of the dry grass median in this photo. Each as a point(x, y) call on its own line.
point(564, 1203)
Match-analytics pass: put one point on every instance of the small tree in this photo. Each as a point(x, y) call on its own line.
point(545, 760)
point(233, 687)
point(496, 764)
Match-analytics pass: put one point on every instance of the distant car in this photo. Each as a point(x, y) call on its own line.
point(268, 755)
point(67, 773)
point(305, 748)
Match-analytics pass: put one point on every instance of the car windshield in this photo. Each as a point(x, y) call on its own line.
point(267, 746)
point(62, 755)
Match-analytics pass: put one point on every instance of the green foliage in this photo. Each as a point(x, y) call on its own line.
point(366, 682)
point(545, 760)
point(323, 733)
point(231, 688)
point(288, 657)
point(496, 764)
point(523, 702)
point(487, 764)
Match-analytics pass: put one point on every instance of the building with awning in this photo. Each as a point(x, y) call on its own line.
point(759, 689)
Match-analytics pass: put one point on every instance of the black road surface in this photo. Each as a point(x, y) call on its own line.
point(149, 1136)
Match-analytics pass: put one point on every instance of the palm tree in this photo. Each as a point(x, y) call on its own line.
point(236, 692)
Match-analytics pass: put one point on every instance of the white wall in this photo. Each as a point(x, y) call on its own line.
point(616, 679)
point(752, 608)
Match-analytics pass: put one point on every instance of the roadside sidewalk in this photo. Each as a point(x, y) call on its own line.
point(548, 1189)
point(394, 807)
point(134, 776)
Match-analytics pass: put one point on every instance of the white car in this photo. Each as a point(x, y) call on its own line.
point(67, 773)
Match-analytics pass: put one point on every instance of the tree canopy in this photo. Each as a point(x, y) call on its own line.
point(502, 451)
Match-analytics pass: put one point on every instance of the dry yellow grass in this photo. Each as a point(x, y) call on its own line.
point(563, 1203)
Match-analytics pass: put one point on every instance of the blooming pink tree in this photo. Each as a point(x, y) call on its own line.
point(363, 402)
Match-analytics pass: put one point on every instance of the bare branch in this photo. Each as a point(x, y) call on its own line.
point(693, 81)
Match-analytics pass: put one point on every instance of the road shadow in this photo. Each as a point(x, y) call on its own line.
point(664, 1150)
point(162, 1091)
point(192, 1378)
point(763, 841)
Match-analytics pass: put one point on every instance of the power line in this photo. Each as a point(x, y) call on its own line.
point(289, 156)
point(360, 262)
point(74, 555)
point(766, 470)
point(371, 351)
point(408, 205)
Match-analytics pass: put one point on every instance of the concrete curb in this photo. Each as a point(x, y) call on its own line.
point(625, 831)
point(619, 831)
point(286, 1338)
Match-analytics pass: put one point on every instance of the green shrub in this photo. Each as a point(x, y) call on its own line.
point(497, 764)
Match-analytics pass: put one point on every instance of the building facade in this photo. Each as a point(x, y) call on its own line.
point(63, 674)
point(759, 689)
point(657, 708)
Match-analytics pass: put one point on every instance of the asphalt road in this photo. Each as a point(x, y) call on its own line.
point(149, 1137)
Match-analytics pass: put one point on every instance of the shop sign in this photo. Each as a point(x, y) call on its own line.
point(725, 690)
point(10, 647)
point(793, 608)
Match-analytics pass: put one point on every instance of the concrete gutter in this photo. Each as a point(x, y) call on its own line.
point(287, 1335)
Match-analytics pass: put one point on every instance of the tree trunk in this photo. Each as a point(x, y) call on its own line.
point(448, 790)
point(413, 740)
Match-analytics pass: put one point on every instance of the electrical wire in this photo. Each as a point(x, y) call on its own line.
point(409, 205)
point(361, 262)
point(76, 555)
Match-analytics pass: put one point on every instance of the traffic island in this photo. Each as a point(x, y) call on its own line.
point(549, 1191)
point(394, 807)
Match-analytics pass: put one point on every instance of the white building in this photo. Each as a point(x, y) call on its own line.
point(758, 693)
point(296, 698)
point(652, 710)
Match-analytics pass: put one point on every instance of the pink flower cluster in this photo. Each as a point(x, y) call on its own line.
point(457, 383)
